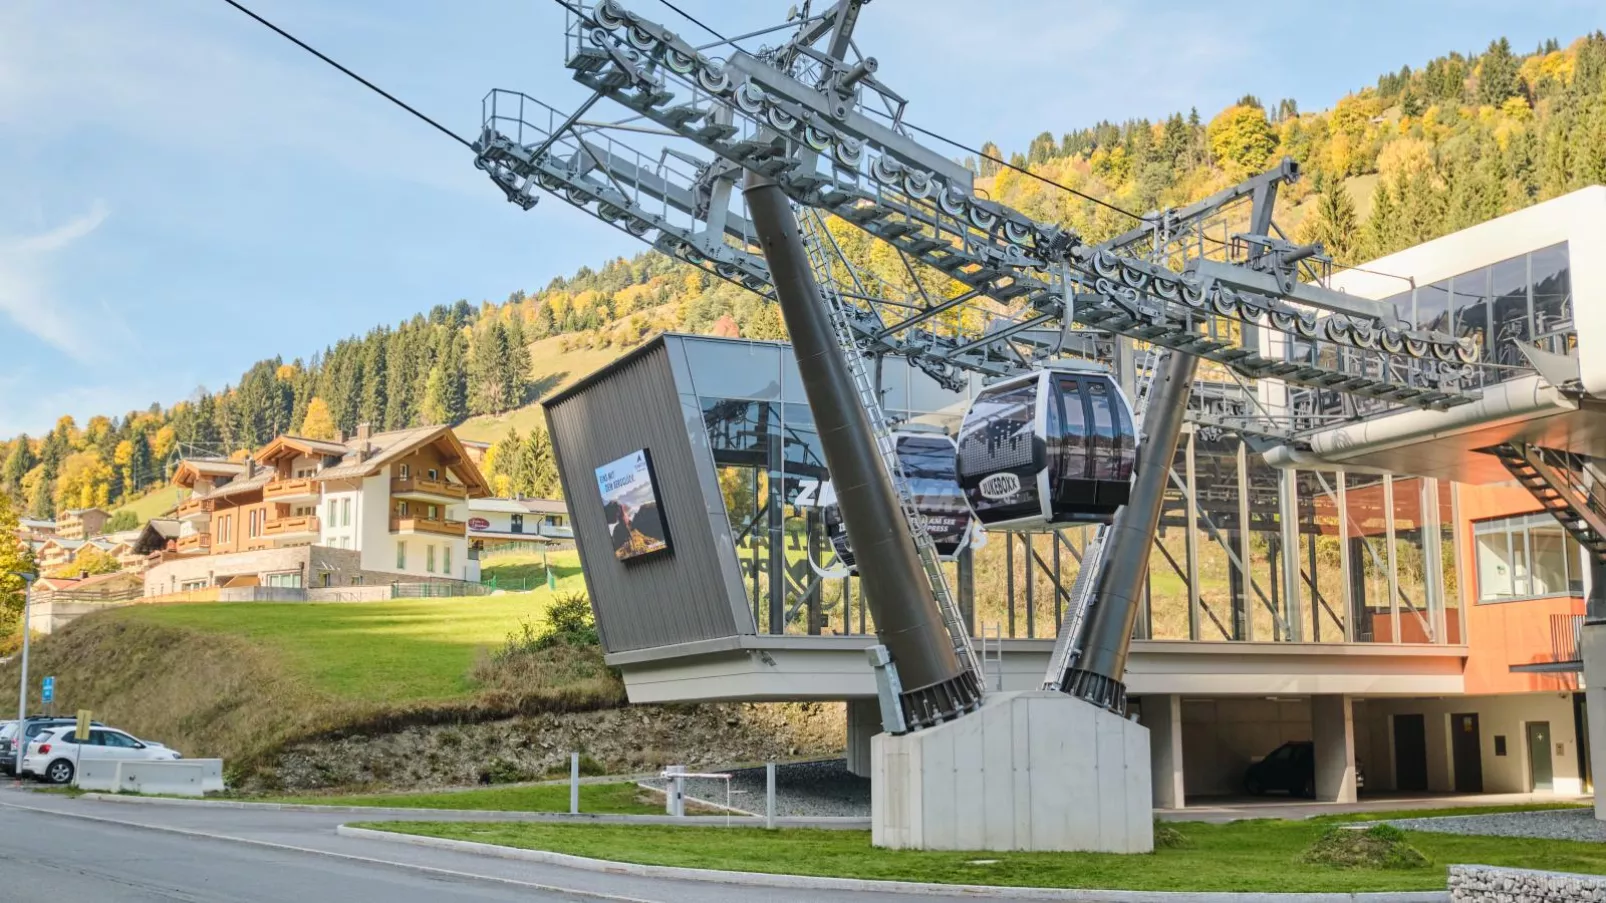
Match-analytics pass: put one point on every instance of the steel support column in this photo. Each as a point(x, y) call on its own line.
point(907, 619)
point(1099, 672)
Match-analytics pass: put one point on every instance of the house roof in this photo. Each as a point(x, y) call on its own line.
point(36, 523)
point(497, 505)
point(191, 469)
point(384, 448)
point(80, 512)
point(545, 506)
point(300, 445)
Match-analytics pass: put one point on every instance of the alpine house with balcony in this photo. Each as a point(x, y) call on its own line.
point(379, 508)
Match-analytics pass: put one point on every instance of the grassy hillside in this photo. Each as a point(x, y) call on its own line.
point(551, 368)
point(242, 680)
point(155, 503)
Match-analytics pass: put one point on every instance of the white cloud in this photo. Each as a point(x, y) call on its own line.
point(27, 295)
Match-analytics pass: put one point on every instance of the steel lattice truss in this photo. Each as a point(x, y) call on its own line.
point(818, 121)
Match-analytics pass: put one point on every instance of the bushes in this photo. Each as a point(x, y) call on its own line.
point(1377, 847)
point(563, 661)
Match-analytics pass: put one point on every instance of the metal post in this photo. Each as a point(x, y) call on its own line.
point(769, 795)
point(1099, 672)
point(21, 734)
point(574, 783)
point(908, 621)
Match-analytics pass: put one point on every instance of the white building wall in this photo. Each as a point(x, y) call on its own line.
point(333, 531)
point(1507, 716)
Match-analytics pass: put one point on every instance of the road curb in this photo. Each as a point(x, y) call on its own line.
point(719, 821)
point(803, 882)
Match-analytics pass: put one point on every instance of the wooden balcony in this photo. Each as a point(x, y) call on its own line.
point(428, 525)
point(292, 490)
point(195, 542)
point(427, 489)
point(302, 526)
point(195, 508)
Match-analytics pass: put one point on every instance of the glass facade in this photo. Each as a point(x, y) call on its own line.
point(1244, 552)
point(1525, 300)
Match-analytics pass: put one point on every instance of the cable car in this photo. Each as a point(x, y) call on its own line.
point(1050, 448)
point(927, 455)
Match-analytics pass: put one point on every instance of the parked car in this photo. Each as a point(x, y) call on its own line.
point(34, 725)
point(53, 755)
point(1290, 768)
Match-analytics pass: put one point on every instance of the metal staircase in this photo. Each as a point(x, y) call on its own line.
point(1560, 481)
point(817, 242)
point(1068, 644)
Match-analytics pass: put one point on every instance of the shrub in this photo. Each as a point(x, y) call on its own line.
point(1168, 838)
point(1377, 847)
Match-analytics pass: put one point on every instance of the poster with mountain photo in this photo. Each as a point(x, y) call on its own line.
point(631, 507)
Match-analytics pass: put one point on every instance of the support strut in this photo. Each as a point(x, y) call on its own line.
point(908, 623)
point(1118, 594)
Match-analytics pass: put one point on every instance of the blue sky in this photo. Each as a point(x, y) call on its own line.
point(186, 193)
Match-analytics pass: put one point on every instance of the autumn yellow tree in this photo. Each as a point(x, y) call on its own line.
point(84, 481)
point(1241, 138)
point(89, 561)
point(319, 424)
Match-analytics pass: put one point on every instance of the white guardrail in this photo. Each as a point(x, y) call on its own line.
point(182, 777)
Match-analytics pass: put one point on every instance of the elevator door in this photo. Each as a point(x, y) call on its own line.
point(1410, 753)
point(1467, 746)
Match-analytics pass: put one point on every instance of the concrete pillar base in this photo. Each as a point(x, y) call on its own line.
point(1028, 771)
point(864, 722)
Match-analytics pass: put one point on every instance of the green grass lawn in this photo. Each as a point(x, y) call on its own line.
point(517, 570)
point(399, 651)
point(622, 798)
point(1260, 855)
point(551, 368)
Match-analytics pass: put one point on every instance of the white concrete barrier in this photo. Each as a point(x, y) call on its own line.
point(178, 778)
point(97, 774)
point(211, 774)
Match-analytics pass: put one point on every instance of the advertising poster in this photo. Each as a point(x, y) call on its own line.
point(631, 507)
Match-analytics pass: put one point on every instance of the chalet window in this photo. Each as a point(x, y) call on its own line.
point(432, 512)
point(345, 512)
point(446, 560)
point(403, 471)
point(401, 556)
point(434, 474)
point(401, 508)
point(518, 523)
point(429, 559)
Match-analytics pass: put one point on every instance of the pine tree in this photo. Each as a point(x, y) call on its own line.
point(1497, 74)
point(373, 408)
point(436, 399)
point(1333, 223)
point(17, 464)
point(1382, 227)
point(320, 424)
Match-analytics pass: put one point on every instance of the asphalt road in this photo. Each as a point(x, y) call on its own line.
point(56, 848)
point(50, 857)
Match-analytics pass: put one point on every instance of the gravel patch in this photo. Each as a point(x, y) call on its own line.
point(1553, 824)
point(802, 790)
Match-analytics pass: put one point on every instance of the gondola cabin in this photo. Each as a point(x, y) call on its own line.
point(1047, 449)
point(927, 456)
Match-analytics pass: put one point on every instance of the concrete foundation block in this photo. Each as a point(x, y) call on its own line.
point(1028, 771)
point(169, 778)
point(97, 775)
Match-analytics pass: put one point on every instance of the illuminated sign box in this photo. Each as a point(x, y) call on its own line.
point(632, 508)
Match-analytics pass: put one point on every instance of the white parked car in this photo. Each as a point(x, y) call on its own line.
point(53, 755)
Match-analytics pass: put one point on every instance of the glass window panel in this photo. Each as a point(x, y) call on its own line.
point(1552, 296)
point(1450, 573)
point(1433, 307)
point(1520, 585)
point(1267, 605)
point(1494, 566)
point(737, 369)
point(1367, 542)
point(1469, 306)
point(1410, 564)
point(1549, 565)
point(1168, 565)
point(1222, 608)
point(1575, 567)
point(1508, 286)
point(1320, 562)
point(1402, 306)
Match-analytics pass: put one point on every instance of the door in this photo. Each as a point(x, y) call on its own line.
point(1466, 745)
point(518, 523)
point(1410, 752)
point(1539, 770)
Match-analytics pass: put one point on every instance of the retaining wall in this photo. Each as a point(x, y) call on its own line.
point(1486, 884)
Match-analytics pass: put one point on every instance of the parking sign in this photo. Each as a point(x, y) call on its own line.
point(47, 691)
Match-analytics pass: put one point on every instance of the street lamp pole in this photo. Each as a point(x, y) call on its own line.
point(21, 734)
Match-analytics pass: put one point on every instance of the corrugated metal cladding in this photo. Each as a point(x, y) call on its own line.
point(690, 593)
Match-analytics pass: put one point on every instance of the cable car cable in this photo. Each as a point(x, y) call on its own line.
point(363, 81)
